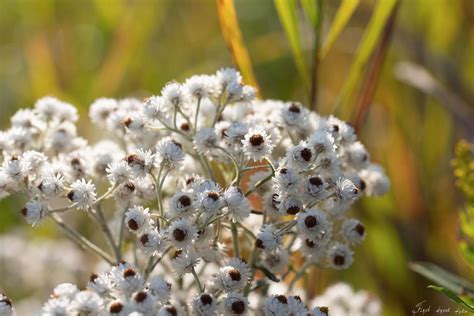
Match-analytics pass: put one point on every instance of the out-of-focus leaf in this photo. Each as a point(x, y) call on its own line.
point(287, 13)
point(343, 14)
point(444, 278)
point(452, 296)
point(268, 274)
point(368, 87)
point(382, 13)
point(311, 10)
point(233, 38)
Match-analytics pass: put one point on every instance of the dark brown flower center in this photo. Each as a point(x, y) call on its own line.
point(283, 171)
point(282, 299)
point(339, 260)
point(93, 277)
point(144, 239)
point(363, 185)
point(259, 244)
point(256, 140)
point(184, 200)
point(238, 307)
point(234, 274)
point(213, 195)
point(172, 310)
point(134, 159)
point(129, 273)
point(294, 108)
point(306, 154)
point(360, 229)
point(127, 121)
point(185, 127)
point(70, 195)
point(140, 296)
point(206, 299)
point(115, 308)
point(179, 234)
point(132, 224)
point(177, 144)
point(292, 210)
point(309, 243)
point(310, 221)
point(24, 211)
point(316, 181)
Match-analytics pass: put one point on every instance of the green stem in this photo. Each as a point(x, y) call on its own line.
point(235, 239)
point(196, 278)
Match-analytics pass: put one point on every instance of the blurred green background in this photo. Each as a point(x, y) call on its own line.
point(81, 50)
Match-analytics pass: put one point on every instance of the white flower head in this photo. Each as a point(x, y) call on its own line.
point(257, 144)
point(100, 283)
point(143, 302)
point(126, 278)
point(300, 157)
point(137, 219)
point(34, 211)
point(6, 306)
point(204, 305)
point(151, 241)
point(67, 290)
point(181, 205)
point(118, 172)
point(82, 193)
point(234, 304)
point(100, 110)
point(160, 288)
point(286, 181)
point(339, 256)
point(237, 204)
point(276, 305)
point(268, 238)
point(87, 302)
point(185, 262)
point(231, 277)
point(353, 231)
point(140, 163)
point(314, 225)
point(346, 190)
point(181, 233)
point(205, 140)
point(169, 154)
point(175, 95)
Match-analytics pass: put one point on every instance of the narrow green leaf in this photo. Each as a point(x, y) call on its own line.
point(268, 274)
point(288, 17)
point(233, 37)
point(343, 14)
point(372, 34)
point(452, 296)
point(444, 278)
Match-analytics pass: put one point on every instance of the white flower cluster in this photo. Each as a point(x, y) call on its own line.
point(203, 175)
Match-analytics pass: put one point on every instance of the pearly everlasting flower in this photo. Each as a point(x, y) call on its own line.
point(169, 154)
point(160, 288)
point(294, 115)
point(34, 211)
point(300, 157)
point(150, 241)
point(181, 205)
point(257, 144)
point(339, 256)
point(199, 87)
point(137, 219)
point(175, 95)
point(117, 308)
point(268, 238)
point(204, 305)
point(56, 306)
point(286, 181)
point(205, 140)
point(6, 307)
point(118, 172)
point(353, 231)
point(276, 305)
point(66, 290)
point(314, 225)
point(346, 190)
point(100, 110)
point(237, 204)
point(276, 261)
point(82, 193)
point(126, 278)
point(143, 302)
point(185, 262)
point(14, 168)
point(231, 277)
point(140, 163)
point(87, 302)
point(181, 233)
point(100, 283)
point(234, 304)
point(375, 181)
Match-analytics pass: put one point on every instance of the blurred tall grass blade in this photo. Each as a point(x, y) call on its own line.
point(343, 14)
point(444, 278)
point(382, 13)
point(452, 296)
point(233, 37)
point(369, 85)
point(420, 78)
point(314, 12)
point(287, 13)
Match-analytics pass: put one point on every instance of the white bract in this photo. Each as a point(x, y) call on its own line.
point(213, 190)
